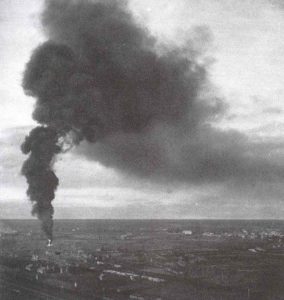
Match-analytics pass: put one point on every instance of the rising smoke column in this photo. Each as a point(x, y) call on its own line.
point(47, 68)
point(42, 146)
point(97, 78)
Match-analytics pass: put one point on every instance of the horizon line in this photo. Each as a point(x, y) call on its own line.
point(147, 219)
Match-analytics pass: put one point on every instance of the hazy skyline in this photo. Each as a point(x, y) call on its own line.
point(241, 44)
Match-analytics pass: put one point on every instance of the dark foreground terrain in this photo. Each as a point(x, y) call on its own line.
point(148, 259)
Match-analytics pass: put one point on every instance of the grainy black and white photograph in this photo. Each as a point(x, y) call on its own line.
point(142, 149)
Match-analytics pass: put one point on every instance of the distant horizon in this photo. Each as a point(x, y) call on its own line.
point(145, 219)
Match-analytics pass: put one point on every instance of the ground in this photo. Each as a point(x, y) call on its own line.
point(146, 259)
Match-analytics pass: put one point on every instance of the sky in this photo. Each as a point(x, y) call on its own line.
point(242, 46)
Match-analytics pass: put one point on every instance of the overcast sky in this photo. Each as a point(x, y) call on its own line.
point(241, 40)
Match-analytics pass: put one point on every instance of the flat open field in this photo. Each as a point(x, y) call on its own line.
point(143, 259)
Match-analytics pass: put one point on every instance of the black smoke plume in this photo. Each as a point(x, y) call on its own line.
point(139, 107)
point(98, 75)
point(42, 146)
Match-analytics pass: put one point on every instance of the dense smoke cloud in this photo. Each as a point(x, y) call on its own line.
point(42, 144)
point(100, 78)
point(98, 75)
